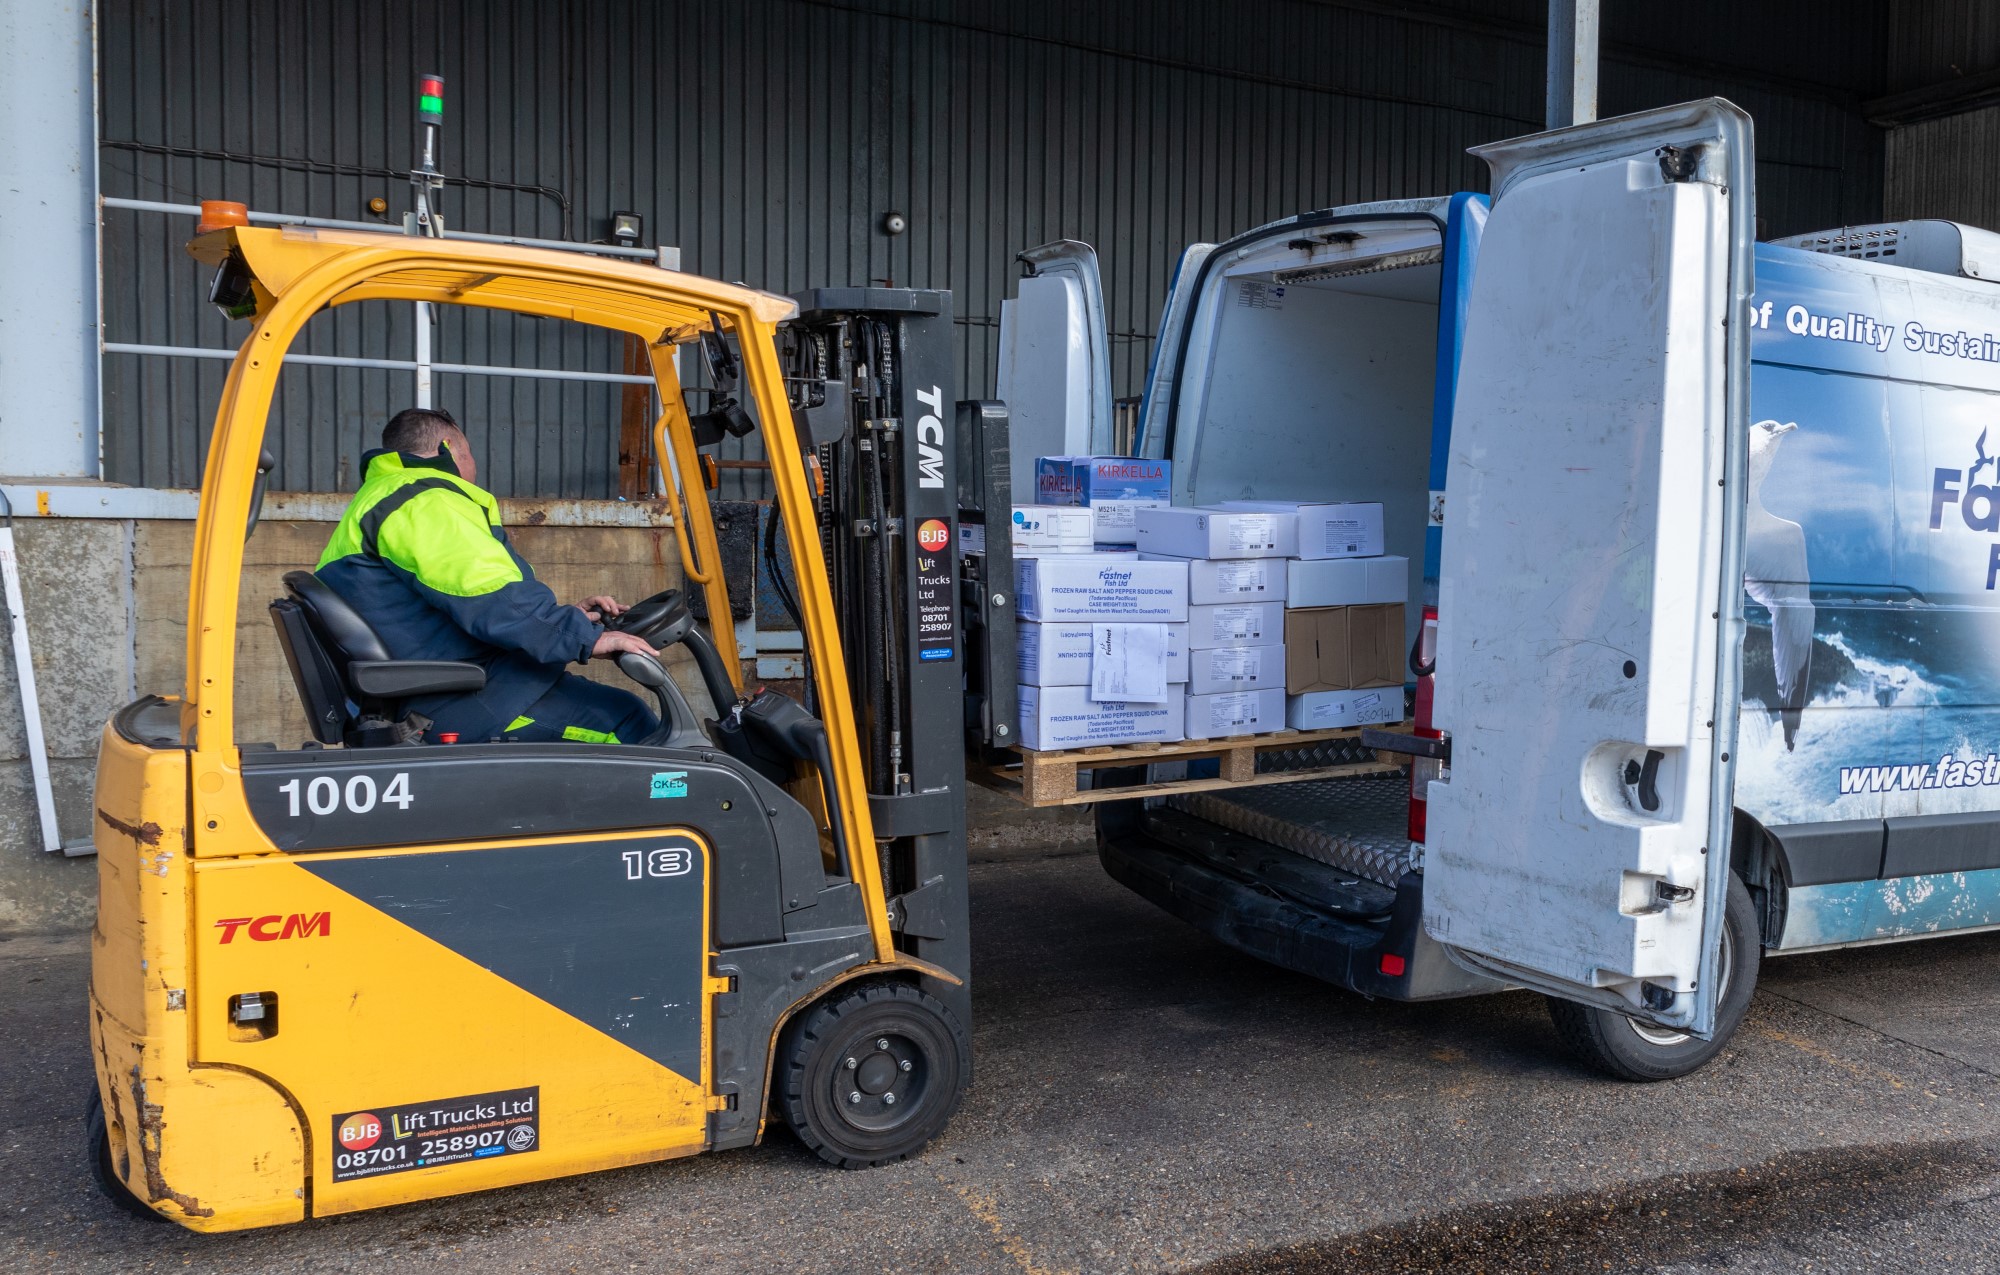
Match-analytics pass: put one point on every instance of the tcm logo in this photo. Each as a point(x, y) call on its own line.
point(267, 929)
point(1978, 503)
point(930, 438)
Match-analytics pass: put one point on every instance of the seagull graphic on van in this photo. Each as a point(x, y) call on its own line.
point(1775, 574)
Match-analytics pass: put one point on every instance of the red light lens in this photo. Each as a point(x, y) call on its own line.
point(1393, 965)
point(431, 87)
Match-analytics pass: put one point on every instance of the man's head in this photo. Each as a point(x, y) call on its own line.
point(423, 431)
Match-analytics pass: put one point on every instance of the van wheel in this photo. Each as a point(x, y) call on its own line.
point(871, 1074)
point(97, 1147)
point(1629, 1050)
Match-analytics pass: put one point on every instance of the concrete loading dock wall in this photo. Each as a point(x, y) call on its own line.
point(107, 621)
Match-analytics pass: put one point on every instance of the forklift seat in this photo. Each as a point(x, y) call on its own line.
point(351, 688)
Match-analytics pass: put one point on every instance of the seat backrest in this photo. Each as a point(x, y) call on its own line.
point(347, 636)
point(321, 688)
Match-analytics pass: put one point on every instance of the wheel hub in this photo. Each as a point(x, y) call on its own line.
point(880, 1081)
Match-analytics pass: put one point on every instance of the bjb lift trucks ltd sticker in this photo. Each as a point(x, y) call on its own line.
point(419, 1135)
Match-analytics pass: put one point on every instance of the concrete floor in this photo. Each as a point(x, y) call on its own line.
point(1147, 1100)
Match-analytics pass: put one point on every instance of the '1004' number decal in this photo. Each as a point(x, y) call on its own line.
point(324, 794)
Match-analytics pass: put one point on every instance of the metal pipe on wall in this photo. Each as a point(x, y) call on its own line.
point(1572, 82)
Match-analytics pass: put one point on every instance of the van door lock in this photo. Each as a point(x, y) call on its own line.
point(1669, 894)
point(1646, 778)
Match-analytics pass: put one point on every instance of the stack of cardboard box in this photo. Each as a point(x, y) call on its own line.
point(1103, 637)
point(1344, 601)
point(1235, 560)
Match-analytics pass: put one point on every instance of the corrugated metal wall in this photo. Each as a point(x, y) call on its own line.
point(1944, 166)
point(768, 138)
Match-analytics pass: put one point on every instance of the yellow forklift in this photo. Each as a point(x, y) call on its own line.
point(347, 972)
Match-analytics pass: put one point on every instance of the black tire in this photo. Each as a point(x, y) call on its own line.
point(1617, 1046)
point(97, 1148)
point(871, 1074)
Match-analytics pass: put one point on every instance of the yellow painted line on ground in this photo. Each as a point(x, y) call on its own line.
point(988, 1213)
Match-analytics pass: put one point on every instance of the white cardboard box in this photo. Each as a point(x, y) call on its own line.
point(1066, 717)
point(1342, 582)
point(1235, 713)
point(1330, 710)
point(1235, 624)
point(1213, 580)
point(1097, 586)
point(1052, 529)
point(1344, 529)
point(1217, 533)
point(1059, 654)
point(1236, 668)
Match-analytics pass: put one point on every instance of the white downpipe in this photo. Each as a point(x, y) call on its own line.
point(423, 354)
point(31, 704)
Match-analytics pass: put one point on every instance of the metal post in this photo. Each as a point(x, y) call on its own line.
point(426, 184)
point(1572, 83)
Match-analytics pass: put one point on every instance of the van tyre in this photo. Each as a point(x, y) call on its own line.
point(97, 1148)
point(872, 1073)
point(1616, 1045)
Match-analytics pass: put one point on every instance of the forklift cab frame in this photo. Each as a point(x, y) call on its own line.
point(308, 997)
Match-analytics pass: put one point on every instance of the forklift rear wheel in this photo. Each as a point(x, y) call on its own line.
point(1629, 1050)
point(872, 1074)
point(102, 1171)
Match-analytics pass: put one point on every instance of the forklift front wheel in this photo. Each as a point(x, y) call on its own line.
point(1618, 1046)
point(102, 1171)
point(871, 1074)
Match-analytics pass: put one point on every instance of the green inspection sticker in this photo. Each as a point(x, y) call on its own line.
point(670, 783)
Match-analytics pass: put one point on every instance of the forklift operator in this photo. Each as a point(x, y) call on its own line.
point(421, 554)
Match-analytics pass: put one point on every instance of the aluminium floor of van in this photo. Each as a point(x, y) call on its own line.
point(1358, 825)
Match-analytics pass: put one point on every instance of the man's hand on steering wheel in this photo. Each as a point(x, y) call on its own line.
point(612, 643)
point(600, 607)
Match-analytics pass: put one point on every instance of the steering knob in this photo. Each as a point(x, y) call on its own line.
point(660, 620)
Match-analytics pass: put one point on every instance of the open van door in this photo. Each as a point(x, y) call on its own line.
point(1055, 360)
point(1163, 372)
point(1591, 572)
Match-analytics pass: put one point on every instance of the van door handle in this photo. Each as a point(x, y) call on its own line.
point(1649, 775)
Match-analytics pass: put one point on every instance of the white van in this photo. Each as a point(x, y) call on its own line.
point(1709, 532)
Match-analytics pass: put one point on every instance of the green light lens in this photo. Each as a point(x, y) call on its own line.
point(430, 105)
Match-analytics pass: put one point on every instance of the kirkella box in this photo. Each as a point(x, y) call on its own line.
point(1114, 488)
point(1101, 586)
point(1229, 713)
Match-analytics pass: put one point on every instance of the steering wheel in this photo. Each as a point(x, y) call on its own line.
point(663, 620)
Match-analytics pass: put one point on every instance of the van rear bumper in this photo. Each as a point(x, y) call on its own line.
point(1287, 933)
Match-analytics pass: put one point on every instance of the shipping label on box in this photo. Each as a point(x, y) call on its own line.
point(1235, 713)
point(1235, 668)
point(1060, 653)
point(1091, 586)
point(1214, 580)
point(1182, 532)
point(1066, 717)
point(1344, 648)
point(1344, 529)
point(1340, 582)
point(1235, 624)
point(1335, 710)
point(1117, 521)
point(1051, 529)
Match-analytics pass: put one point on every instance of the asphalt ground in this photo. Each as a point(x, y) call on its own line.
point(1147, 1100)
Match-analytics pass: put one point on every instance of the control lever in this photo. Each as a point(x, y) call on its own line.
point(780, 719)
point(678, 724)
point(266, 462)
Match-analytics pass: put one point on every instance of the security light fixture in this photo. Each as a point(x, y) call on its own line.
point(627, 228)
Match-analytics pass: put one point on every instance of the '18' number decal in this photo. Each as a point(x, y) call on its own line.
point(667, 861)
point(324, 794)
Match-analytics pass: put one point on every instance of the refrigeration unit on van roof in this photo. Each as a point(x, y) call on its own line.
point(1930, 245)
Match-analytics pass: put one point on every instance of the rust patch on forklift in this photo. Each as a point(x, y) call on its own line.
point(146, 834)
point(152, 1127)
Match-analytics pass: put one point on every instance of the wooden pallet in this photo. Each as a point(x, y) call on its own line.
point(1049, 778)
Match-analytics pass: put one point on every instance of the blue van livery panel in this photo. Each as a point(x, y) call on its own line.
point(1871, 663)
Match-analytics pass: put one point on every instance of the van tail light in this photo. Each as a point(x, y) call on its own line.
point(1423, 663)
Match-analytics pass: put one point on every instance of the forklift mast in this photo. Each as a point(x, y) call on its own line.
point(869, 375)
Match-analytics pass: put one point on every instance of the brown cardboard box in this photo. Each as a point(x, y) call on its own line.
point(1343, 648)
